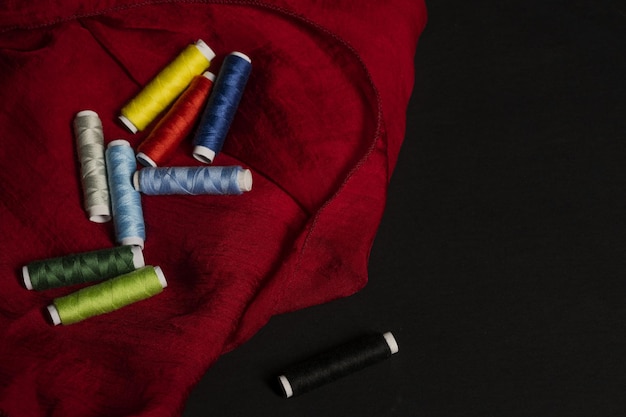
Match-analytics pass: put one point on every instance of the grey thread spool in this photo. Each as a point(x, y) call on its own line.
point(90, 148)
point(336, 363)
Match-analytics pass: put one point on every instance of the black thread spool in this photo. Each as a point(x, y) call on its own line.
point(337, 363)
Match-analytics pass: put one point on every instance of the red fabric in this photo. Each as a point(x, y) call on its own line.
point(320, 125)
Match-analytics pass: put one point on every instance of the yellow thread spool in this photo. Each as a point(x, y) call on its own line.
point(166, 86)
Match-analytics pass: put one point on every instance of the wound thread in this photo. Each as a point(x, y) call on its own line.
point(222, 106)
point(168, 84)
point(108, 296)
point(125, 200)
point(336, 363)
point(82, 267)
point(90, 149)
point(177, 123)
point(231, 180)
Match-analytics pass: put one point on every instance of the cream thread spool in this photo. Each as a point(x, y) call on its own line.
point(90, 150)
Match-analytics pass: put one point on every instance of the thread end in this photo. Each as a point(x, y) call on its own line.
point(286, 386)
point(391, 341)
point(145, 160)
point(54, 314)
point(209, 75)
point(127, 123)
point(203, 154)
point(26, 276)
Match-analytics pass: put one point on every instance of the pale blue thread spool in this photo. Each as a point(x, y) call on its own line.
point(125, 200)
point(231, 180)
point(222, 106)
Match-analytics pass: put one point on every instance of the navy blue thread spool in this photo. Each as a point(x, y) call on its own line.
point(221, 106)
point(230, 180)
point(125, 200)
point(336, 363)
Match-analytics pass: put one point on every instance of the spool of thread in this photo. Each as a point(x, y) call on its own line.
point(222, 106)
point(81, 268)
point(168, 84)
point(125, 200)
point(90, 149)
point(177, 123)
point(336, 363)
point(107, 296)
point(231, 180)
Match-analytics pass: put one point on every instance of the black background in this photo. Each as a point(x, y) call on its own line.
point(500, 262)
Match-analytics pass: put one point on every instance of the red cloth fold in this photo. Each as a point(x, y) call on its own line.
point(320, 126)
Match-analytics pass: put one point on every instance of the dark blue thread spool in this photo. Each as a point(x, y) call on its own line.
point(221, 107)
point(336, 363)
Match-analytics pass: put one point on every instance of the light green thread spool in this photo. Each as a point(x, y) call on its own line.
point(82, 268)
point(108, 296)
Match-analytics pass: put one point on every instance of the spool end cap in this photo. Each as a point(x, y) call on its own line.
point(86, 113)
point(26, 275)
point(161, 276)
point(118, 142)
point(205, 49)
point(145, 160)
point(54, 314)
point(129, 125)
point(242, 56)
point(284, 383)
point(99, 213)
point(391, 341)
point(138, 259)
point(136, 181)
point(203, 154)
point(244, 178)
point(132, 240)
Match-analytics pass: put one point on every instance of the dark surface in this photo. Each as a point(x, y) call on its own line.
point(500, 264)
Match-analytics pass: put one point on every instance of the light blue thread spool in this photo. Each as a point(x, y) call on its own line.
point(232, 180)
point(222, 106)
point(125, 200)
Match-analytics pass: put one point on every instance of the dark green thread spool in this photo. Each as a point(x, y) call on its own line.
point(82, 268)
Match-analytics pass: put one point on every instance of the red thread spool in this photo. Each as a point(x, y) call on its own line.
point(177, 122)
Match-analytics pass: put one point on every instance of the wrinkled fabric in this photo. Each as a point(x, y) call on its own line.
point(320, 126)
